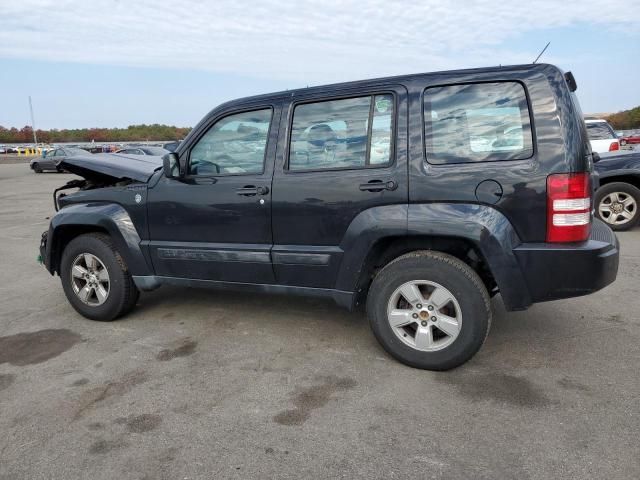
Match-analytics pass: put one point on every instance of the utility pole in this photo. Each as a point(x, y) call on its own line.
point(33, 125)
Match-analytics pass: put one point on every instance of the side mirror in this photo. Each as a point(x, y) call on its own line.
point(171, 165)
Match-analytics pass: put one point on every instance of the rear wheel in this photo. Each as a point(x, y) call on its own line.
point(36, 168)
point(95, 278)
point(429, 310)
point(617, 205)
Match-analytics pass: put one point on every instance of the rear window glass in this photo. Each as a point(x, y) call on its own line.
point(482, 122)
point(600, 131)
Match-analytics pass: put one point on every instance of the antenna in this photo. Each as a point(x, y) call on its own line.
point(33, 125)
point(543, 50)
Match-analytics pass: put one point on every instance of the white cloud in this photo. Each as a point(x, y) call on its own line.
point(312, 41)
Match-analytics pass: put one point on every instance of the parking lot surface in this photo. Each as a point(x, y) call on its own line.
point(204, 384)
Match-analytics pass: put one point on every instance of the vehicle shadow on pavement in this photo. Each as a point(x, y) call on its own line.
point(517, 340)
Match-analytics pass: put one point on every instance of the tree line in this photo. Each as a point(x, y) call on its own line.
point(131, 133)
point(625, 120)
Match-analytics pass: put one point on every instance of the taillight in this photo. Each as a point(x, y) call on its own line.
point(568, 207)
point(614, 146)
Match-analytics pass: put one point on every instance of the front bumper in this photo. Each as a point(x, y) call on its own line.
point(555, 271)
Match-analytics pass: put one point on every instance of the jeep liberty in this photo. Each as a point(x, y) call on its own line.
point(418, 197)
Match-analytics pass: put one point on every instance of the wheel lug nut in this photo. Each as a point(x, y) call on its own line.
point(419, 305)
point(415, 315)
point(424, 323)
point(430, 307)
point(433, 319)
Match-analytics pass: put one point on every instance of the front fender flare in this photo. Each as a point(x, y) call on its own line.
point(109, 217)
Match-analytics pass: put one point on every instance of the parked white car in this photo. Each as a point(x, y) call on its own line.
point(601, 136)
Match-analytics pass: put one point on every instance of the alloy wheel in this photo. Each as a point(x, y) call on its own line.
point(90, 279)
point(617, 208)
point(424, 315)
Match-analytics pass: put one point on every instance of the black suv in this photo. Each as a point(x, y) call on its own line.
point(618, 197)
point(418, 196)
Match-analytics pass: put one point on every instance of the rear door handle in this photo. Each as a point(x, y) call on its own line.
point(378, 185)
point(251, 190)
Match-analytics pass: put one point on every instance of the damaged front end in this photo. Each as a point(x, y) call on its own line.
point(106, 170)
point(109, 198)
point(84, 185)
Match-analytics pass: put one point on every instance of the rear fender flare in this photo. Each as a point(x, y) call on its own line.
point(491, 233)
point(484, 227)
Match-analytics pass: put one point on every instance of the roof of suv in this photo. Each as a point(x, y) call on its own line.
point(396, 78)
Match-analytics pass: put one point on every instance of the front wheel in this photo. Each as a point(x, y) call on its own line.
point(429, 310)
point(36, 168)
point(95, 278)
point(617, 205)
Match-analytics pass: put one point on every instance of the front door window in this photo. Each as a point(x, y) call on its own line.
point(235, 145)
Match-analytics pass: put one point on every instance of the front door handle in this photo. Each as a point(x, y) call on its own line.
point(378, 185)
point(251, 190)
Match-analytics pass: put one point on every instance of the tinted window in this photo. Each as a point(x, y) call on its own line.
point(340, 133)
point(481, 122)
point(234, 145)
point(600, 131)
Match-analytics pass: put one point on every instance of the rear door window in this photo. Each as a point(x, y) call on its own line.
point(481, 122)
point(348, 133)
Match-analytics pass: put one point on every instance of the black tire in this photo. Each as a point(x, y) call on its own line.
point(36, 168)
point(123, 294)
point(449, 272)
point(624, 189)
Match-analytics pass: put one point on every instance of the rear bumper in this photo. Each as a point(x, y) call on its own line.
point(555, 271)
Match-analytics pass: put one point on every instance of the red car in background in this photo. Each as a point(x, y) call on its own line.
point(633, 139)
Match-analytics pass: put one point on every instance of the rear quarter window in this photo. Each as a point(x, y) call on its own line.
point(481, 122)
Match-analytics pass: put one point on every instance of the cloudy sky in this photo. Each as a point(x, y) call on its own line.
point(112, 63)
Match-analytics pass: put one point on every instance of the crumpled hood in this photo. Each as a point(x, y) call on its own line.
point(103, 167)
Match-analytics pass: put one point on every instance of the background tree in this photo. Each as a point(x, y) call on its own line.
point(132, 133)
point(625, 120)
